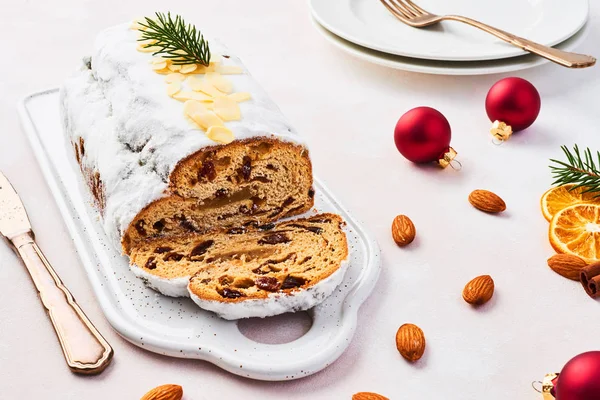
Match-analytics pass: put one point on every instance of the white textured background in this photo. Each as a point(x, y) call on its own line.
point(347, 109)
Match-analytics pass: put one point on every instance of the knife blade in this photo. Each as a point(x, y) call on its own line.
point(84, 348)
point(13, 217)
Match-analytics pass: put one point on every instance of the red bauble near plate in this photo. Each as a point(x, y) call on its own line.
point(422, 135)
point(513, 104)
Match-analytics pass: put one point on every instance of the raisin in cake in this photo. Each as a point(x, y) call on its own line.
point(249, 271)
point(190, 166)
point(153, 172)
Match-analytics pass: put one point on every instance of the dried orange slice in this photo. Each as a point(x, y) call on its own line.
point(561, 197)
point(576, 230)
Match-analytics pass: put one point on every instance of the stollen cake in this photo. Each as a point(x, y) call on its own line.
point(177, 156)
point(152, 172)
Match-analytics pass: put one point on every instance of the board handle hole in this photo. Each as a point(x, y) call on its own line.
point(280, 329)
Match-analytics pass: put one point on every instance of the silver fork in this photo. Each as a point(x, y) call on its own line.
point(413, 15)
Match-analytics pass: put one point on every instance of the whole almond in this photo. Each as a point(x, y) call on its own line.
point(403, 230)
point(487, 201)
point(567, 265)
point(164, 392)
point(410, 342)
point(479, 290)
point(368, 396)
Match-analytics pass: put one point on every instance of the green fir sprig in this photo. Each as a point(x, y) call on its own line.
point(178, 41)
point(581, 169)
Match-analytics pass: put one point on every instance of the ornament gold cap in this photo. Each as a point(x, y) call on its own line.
point(447, 158)
point(548, 386)
point(501, 131)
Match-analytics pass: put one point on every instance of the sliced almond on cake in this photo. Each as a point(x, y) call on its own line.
point(220, 134)
point(229, 69)
point(199, 85)
point(227, 109)
point(218, 81)
point(206, 119)
point(191, 107)
point(173, 88)
point(188, 68)
point(189, 95)
point(175, 77)
point(240, 96)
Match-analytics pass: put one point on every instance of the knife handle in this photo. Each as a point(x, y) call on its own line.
point(84, 348)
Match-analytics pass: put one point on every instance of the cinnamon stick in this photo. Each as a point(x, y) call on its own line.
point(590, 279)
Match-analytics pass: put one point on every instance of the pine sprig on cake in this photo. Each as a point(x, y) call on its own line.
point(581, 170)
point(178, 41)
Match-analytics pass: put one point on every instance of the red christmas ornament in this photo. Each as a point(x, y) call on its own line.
point(512, 104)
point(578, 380)
point(423, 135)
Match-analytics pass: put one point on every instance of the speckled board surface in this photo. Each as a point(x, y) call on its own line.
point(175, 326)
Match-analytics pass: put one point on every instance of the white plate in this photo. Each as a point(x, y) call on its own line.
point(177, 327)
point(369, 24)
point(447, 67)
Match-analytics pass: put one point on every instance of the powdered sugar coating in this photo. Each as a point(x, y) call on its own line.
point(135, 134)
point(276, 303)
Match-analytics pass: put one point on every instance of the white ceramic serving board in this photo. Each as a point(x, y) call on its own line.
point(176, 326)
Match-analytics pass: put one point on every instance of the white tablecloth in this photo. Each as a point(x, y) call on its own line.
point(347, 109)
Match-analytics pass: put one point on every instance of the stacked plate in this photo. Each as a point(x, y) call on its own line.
point(367, 30)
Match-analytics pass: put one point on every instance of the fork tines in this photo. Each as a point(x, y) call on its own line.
point(404, 9)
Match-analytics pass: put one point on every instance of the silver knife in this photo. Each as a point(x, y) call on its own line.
point(84, 348)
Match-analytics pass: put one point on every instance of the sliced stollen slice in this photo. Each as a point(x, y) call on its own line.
point(265, 269)
point(303, 263)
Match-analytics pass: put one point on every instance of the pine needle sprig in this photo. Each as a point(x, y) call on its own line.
point(581, 169)
point(178, 41)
